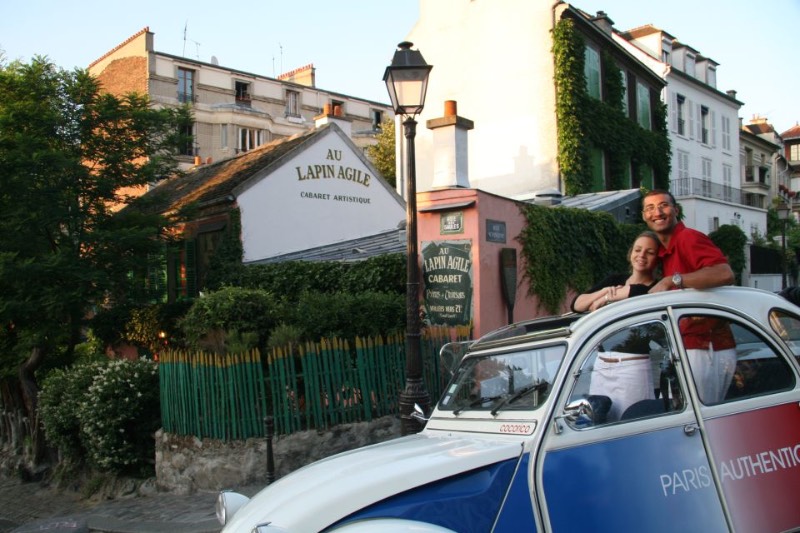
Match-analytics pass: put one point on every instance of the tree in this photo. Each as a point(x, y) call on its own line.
point(70, 158)
point(382, 154)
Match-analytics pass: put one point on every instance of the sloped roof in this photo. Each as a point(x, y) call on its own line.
point(758, 128)
point(791, 133)
point(387, 242)
point(216, 181)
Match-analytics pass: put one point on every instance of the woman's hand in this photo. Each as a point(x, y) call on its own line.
point(609, 294)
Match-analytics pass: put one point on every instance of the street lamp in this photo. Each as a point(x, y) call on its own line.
point(783, 214)
point(407, 82)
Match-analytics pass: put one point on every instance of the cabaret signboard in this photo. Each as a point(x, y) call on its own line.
point(447, 280)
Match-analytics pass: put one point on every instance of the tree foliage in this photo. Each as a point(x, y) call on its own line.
point(70, 158)
point(382, 154)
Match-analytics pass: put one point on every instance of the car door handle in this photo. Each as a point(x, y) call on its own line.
point(690, 429)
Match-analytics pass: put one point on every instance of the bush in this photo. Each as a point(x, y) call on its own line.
point(230, 311)
point(119, 415)
point(62, 392)
point(346, 315)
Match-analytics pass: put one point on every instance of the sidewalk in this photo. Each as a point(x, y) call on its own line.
point(29, 507)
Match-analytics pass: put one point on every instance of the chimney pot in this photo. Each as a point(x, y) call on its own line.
point(198, 160)
point(450, 108)
point(326, 109)
point(337, 111)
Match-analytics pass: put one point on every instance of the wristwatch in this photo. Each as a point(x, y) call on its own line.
point(677, 280)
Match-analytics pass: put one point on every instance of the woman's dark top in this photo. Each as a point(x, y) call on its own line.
point(637, 289)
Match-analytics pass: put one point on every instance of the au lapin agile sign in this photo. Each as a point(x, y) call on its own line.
point(447, 278)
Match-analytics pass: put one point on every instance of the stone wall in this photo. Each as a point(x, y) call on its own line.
point(185, 465)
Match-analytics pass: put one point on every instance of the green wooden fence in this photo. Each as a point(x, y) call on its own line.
point(313, 386)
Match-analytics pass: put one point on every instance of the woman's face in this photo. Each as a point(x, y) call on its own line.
point(644, 255)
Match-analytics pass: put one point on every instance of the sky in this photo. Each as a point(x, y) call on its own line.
point(350, 42)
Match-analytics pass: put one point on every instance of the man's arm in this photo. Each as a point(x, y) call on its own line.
point(705, 278)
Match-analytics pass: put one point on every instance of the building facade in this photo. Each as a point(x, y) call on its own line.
point(706, 172)
point(509, 82)
point(234, 111)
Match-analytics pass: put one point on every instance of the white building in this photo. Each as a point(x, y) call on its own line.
point(706, 175)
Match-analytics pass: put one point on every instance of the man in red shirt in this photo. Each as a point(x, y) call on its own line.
point(689, 259)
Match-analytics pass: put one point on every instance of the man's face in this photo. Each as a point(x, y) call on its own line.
point(659, 213)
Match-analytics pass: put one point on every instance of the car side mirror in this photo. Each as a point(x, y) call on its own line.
point(419, 415)
point(579, 413)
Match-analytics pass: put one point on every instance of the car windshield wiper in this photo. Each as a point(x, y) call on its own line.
point(542, 385)
point(477, 402)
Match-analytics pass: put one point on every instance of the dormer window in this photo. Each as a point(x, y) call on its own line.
point(690, 65)
point(292, 103)
point(242, 89)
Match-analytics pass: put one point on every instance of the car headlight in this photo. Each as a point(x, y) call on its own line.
point(228, 502)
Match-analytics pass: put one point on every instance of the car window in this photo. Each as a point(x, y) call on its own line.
point(788, 328)
point(730, 361)
point(506, 381)
point(629, 374)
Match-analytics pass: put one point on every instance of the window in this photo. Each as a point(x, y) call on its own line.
point(223, 136)
point(249, 138)
point(788, 328)
point(377, 119)
point(509, 381)
point(665, 56)
point(186, 132)
point(626, 107)
point(597, 158)
point(690, 65)
point(743, 364)
point(292, 103)
point(712, 77)
point(591, 70)
point(185, 85)
point(643, 105)
point(629, 374)
point(726, 133)
point(682, 185)
point(681, 105)
point(705, 125)
point(749, 169)
point(727, 183)
point(242, 92)
point(794, 152)
point(705, 183)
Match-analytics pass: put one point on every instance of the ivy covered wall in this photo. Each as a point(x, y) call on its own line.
point(585, 122)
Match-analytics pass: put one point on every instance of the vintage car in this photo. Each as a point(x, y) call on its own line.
point(677, 411)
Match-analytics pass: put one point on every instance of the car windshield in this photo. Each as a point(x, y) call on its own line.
point(513, 380)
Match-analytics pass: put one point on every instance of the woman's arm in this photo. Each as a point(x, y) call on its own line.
point(596, 296)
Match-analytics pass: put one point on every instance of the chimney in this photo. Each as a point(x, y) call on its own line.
point(603, 22)
point(334, 114)
point(731, 93)
point(450, 151)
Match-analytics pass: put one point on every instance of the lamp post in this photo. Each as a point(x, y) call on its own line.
point(783, 214)
point(407, 82)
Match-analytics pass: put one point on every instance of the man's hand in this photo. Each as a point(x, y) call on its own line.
point(664, 284)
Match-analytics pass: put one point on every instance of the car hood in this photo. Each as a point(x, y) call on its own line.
point(326, 491)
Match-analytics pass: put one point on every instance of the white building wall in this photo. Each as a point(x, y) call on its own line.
point(309, 201)
point(494, 59)
point(702, 212)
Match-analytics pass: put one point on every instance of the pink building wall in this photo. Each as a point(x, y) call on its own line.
point(488, 305)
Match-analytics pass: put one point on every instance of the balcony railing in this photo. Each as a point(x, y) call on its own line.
point(698, 187)
point(187, 98)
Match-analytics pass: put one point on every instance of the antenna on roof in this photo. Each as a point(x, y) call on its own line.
point(185, 26)
point(281, 47)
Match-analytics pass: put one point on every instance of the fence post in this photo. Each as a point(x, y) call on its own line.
point(269, 425)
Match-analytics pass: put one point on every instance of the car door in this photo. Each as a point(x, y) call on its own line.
point(751, 420)
point(642, 467)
